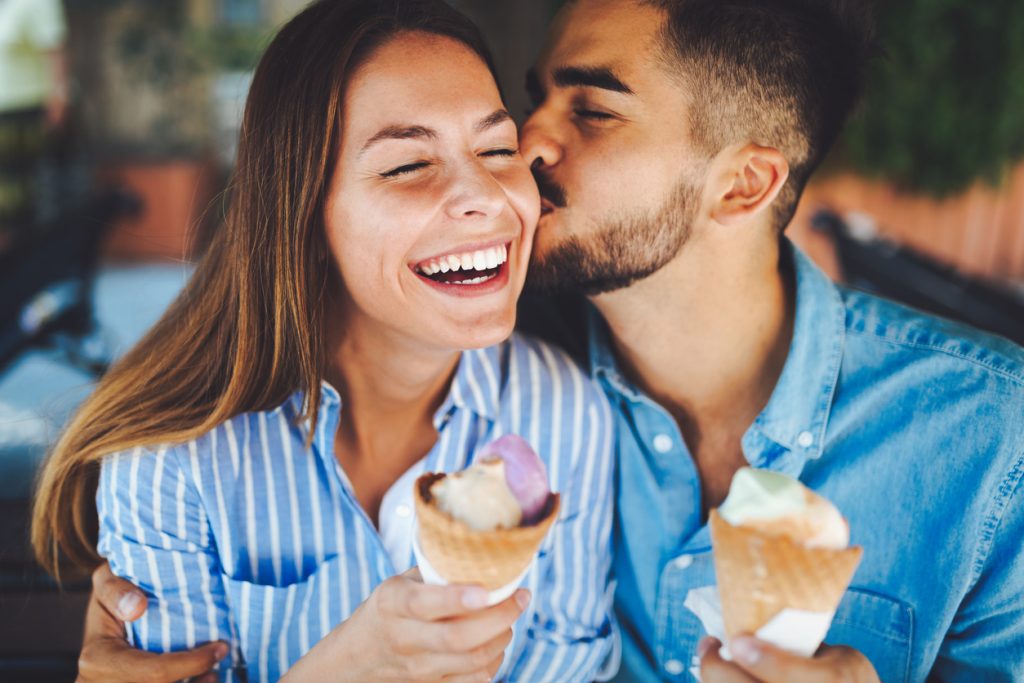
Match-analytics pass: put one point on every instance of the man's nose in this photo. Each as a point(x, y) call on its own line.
point(539, 145)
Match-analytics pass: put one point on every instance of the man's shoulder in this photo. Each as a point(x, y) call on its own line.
point(888, 333)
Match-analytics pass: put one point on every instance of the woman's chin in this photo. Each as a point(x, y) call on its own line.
point(479, 334)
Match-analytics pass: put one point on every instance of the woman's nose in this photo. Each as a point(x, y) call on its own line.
point(476, 194)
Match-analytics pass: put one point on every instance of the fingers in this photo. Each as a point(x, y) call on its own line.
point(405, 597)
point(117, 596)
point(205, 678)
point(772, 665)
point(478, 664)
point(474, 630)
point(113, 660)
point(714, 669)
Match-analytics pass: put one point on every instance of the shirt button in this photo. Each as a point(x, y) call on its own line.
point(403, 511)
point(674, 667)
point(683, 561)
point(663, 443)
point(805, 439)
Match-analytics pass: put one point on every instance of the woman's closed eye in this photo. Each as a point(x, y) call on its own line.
point(500, 153)
point(404, 169)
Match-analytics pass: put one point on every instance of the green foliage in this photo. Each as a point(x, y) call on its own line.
point(945, 103)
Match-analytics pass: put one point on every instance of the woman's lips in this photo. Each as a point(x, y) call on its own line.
point(468, 283)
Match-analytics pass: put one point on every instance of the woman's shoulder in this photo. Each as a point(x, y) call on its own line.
point(218, 453)
point(538, 372)
point(535, 359)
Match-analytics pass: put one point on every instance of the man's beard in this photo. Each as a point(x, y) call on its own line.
point(622, 251)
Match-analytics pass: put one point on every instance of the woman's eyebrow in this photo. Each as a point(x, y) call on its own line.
point(403, 132)
point(400, 132)
point(499, 116)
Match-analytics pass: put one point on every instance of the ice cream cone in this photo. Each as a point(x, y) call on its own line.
point(760, 574)
point(460, 554)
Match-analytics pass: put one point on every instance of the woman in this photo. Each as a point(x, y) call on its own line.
point(258, 447)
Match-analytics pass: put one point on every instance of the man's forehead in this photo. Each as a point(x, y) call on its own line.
point(617, 34)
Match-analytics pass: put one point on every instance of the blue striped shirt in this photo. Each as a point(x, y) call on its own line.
point(247, 536)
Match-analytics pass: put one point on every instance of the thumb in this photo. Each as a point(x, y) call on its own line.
point(770, 664)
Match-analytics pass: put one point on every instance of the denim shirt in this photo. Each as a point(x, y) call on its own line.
point(913, 426)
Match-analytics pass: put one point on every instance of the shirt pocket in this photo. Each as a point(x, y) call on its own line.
point(276, 625)
point(878, 626)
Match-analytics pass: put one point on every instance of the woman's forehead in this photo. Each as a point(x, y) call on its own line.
point(420, 79)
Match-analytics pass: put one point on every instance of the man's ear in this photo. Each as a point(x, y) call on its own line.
point(747, 182)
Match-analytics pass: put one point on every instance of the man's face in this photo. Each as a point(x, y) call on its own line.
point(609, 145)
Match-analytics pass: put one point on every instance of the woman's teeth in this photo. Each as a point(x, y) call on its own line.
point(485, 259)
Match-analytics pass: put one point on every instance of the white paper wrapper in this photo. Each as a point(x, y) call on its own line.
point(432, 577)
point(797, 631)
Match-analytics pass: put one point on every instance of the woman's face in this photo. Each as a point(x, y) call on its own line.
point(431, 209)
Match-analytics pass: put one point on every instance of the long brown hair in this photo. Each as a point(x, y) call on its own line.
point(248, 329)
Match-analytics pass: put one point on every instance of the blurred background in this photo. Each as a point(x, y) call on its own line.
point(118, 127)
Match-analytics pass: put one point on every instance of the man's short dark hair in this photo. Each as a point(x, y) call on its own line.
point(781, 73)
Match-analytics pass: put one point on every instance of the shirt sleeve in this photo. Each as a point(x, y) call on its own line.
point(570, 635)
point(986, 639)
point(155, 533)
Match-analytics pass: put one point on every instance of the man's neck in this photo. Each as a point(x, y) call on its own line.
point(707, 337)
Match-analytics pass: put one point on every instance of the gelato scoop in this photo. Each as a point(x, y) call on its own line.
point(781, 506)
point(508, 485)
point(484, 525)
point(781, 560)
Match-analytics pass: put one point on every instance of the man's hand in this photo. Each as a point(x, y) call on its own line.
point(755, 661)
point(106, 655)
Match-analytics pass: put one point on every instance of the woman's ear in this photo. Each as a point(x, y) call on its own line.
point(749, 180)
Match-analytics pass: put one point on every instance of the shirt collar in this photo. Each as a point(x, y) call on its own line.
point(476, 387)
point(478, 382)
point(797, 412)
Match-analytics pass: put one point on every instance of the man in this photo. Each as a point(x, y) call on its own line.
point(671, 141)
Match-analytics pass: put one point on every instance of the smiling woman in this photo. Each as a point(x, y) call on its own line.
point(349, 328)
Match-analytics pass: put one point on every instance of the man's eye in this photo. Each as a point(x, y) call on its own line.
point(500, 153)
point(592, 114)
point(402, 170)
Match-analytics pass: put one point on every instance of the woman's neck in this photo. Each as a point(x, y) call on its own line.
point(390, 388)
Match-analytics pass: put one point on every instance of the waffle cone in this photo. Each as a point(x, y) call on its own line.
point(759, 575)
point(461, 554)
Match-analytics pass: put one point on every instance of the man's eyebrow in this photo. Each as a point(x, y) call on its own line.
point(400, 133)
point(588, 77)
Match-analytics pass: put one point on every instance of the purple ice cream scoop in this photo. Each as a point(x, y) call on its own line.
point(525, 473)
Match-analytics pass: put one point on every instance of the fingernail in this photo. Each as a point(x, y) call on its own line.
point(221, 651)
point(705, 644)
point(127, 605)
point(745, 650)
point(522, 598)
point(474, 598)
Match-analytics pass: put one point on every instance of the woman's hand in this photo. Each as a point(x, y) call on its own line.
point(409, 631)
point(106, 656)
point(755, 661)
